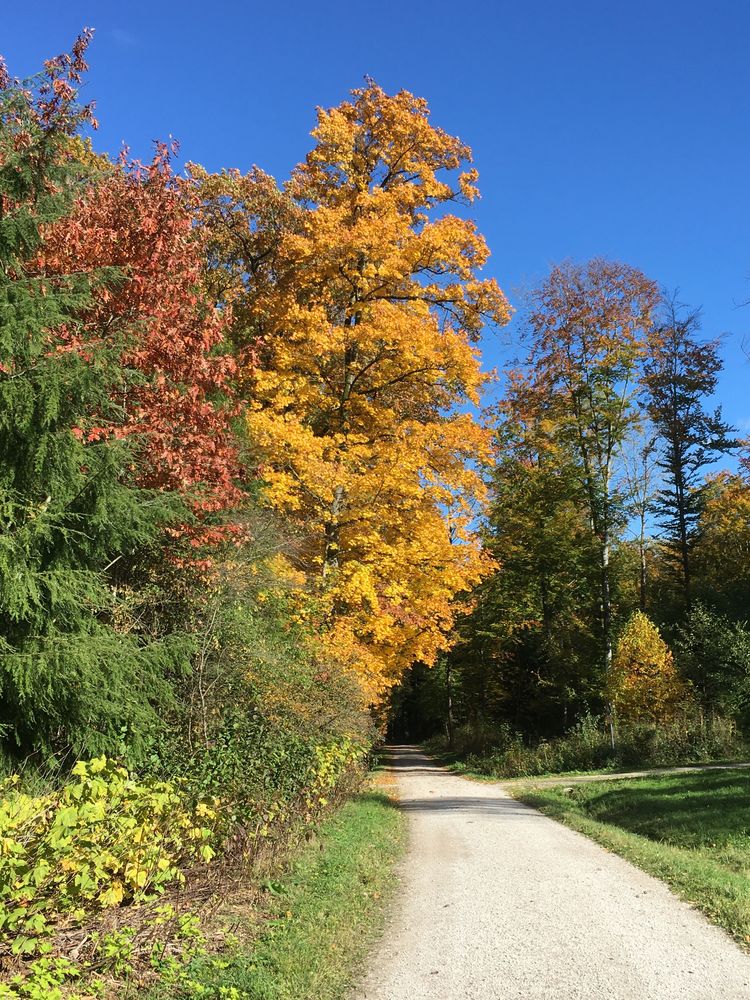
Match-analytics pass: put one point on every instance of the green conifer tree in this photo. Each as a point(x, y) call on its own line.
point(69, 680)
point(681, 374)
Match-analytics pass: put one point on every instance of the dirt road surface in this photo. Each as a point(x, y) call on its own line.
point(501, 903)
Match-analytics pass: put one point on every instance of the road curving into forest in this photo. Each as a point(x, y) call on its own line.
point(498, 902)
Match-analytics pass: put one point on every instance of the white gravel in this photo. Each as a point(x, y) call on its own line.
point(498, 901)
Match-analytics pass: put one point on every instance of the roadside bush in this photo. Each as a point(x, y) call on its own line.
point(263, 740)
point(102, 840)
point(681, 741)
point(269, 779)
point(106, 839)
point(264, 724)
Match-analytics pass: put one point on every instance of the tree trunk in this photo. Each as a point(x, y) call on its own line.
point(607, 627)
point(682, 522)
point(546, 609)
point(607, 599)
point(449, 703)
point(642, 583)
point(331, 533)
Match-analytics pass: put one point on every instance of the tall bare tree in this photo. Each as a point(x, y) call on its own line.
point(640, 477)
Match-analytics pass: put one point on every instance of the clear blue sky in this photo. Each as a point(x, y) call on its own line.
point(599, 128)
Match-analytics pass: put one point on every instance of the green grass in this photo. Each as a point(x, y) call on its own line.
point(691, 830)
point(327, 911)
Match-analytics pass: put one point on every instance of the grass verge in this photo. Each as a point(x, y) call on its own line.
point(690, 830)
point(325, 914)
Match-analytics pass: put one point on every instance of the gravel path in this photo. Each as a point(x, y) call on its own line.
point(498, 901)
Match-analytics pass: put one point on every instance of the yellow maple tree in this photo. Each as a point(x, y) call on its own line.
point(359, 296)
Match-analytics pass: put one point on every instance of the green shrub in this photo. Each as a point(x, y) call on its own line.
point(713, 653)
point(268, 778)
point(259, 708)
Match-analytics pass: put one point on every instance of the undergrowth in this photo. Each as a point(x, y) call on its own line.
point(322, 916)
point(503, 753)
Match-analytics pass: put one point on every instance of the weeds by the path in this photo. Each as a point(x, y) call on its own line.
point(326, 913)
point(691, 830)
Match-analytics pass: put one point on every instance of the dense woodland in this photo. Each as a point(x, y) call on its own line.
point(616, 610)
point(249, 516)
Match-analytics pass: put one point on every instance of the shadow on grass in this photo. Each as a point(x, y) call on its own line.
point(687, 811)
point(377, 798)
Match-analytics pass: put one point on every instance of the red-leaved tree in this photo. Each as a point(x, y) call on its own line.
point(136, 219)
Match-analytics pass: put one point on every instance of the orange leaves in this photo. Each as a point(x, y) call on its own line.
point(136, 220)
point(362, 308)
point(591, 320)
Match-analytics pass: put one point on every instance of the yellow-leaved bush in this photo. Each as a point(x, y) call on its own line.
point(332, 761)
point(108, 839)
point(103, 839)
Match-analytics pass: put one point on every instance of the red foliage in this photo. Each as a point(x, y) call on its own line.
point(52, 98)
point(135, 219)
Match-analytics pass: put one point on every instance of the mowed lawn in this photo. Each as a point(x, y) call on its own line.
point(691, 830)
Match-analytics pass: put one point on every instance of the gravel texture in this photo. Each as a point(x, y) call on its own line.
point(498, 901)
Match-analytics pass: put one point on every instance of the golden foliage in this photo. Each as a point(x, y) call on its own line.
point(643, 683)
point(361, 308)
point(723, 549)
